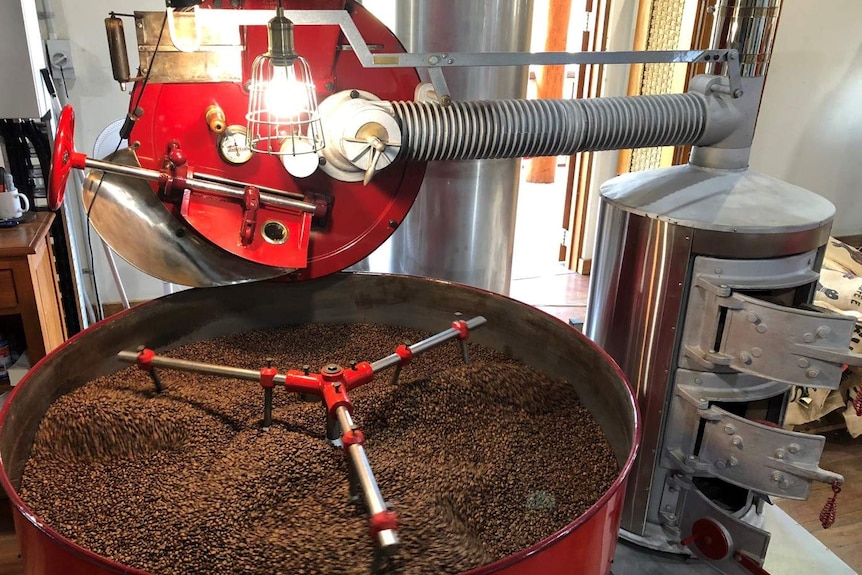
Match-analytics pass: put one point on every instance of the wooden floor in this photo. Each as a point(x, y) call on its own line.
point(564, 295)
point(842, 455)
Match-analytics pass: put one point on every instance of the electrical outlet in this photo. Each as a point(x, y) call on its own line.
point(60, 59)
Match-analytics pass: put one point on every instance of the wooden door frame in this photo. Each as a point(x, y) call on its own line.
point(579, 178)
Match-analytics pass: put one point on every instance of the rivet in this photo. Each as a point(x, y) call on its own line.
point(752, 317)
point(733, 462)
point(761, 328)
point(784, 484)
point(793, 448)
point(808, 337)
point(729, 429)
point(812, 373)
point(803, 362)
point(756, 351)
point(776, 476)
point(823, 331)
point(779, 453)
point(718, 271)
point(744, 357)
point(737, 442)
point(698, 380)
point(720, 463)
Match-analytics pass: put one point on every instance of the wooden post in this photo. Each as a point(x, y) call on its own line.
point(550, 82)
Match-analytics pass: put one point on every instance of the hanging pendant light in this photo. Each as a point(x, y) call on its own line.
point(282, 116)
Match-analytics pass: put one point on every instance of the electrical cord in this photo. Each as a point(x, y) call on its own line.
point(133, 108)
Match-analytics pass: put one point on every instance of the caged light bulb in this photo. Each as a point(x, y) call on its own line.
point(285, 96)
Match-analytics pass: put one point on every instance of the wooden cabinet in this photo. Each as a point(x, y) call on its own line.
point(28, 284)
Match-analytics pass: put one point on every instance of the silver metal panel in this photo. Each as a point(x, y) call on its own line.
point(462, 225)
point(637, 294)
point(765, 459)
point(194, 52)
point(735, 201)
point(741, 536)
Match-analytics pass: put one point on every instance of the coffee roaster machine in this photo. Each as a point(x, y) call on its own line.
point(284, 142)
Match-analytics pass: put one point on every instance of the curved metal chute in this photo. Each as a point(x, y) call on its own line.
point(136, 225)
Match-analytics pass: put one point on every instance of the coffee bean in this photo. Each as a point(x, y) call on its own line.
point(479, 461)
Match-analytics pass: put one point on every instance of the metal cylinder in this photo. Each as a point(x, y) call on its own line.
point(462, 225)
point(518, 128)
point(539, 340)
point(749, 26)
point(117, 49)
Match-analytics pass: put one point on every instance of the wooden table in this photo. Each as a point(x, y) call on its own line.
point(28, 284)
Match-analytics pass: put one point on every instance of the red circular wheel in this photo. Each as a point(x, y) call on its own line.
point(63, 159)
point(710, 538)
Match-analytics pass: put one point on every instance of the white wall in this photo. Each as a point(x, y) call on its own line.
point(98, 101)
point(809, 132)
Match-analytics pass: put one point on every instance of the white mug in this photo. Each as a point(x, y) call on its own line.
point(13, 205)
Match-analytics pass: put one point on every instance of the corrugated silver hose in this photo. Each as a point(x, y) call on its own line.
point(491, 129)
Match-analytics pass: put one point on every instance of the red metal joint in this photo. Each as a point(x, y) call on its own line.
point(382, 521)
point(251, 201)
point(352, 437)
point(176, 155)
point(145, 359)
point(461, 327)
point(404, 353)
point(335, 396)
point(301, 382)
point(267, 377)
point(359, 374)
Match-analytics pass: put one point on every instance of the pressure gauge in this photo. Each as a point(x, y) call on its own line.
point(233, 145)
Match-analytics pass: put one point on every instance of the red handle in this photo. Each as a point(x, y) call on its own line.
point(64, 158)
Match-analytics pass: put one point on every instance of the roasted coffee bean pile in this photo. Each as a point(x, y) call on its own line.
point(479, 461)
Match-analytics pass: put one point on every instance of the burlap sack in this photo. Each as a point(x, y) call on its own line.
point(839, 290)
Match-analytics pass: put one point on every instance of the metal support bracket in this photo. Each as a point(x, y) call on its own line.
point(434, 61)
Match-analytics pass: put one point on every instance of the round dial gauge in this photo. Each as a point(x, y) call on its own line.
point(233, 145)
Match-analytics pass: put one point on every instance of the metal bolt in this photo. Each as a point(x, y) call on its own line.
point(744, 357)
point(733, 462)
point(690, 458)
point(793, 448)
point(776, 476)
point(141, 348)
point(269, 361)
point(354, 94)
point(812, 373)
point(718, 271)
point(803, 363)
point(784, 484)
point(756, 352)
point(451, 61)
point(668, 508)
point(808, 337)
point(353, 364)
point(336, 386)
point(779, 453)
point(446, 100)
point(737, 442)
point(752, 317)
point(729, 429)
point(698, 380)
point(306, 369)
point(433, 60)
point(720, 463)
point(737, 93)
point(671, 519)
point(329, 86)
point(823, 331)
point(761, 328)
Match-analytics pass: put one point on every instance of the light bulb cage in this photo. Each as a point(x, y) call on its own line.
point(270, 132)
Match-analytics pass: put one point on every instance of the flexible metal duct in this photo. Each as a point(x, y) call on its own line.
point(518, 128)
